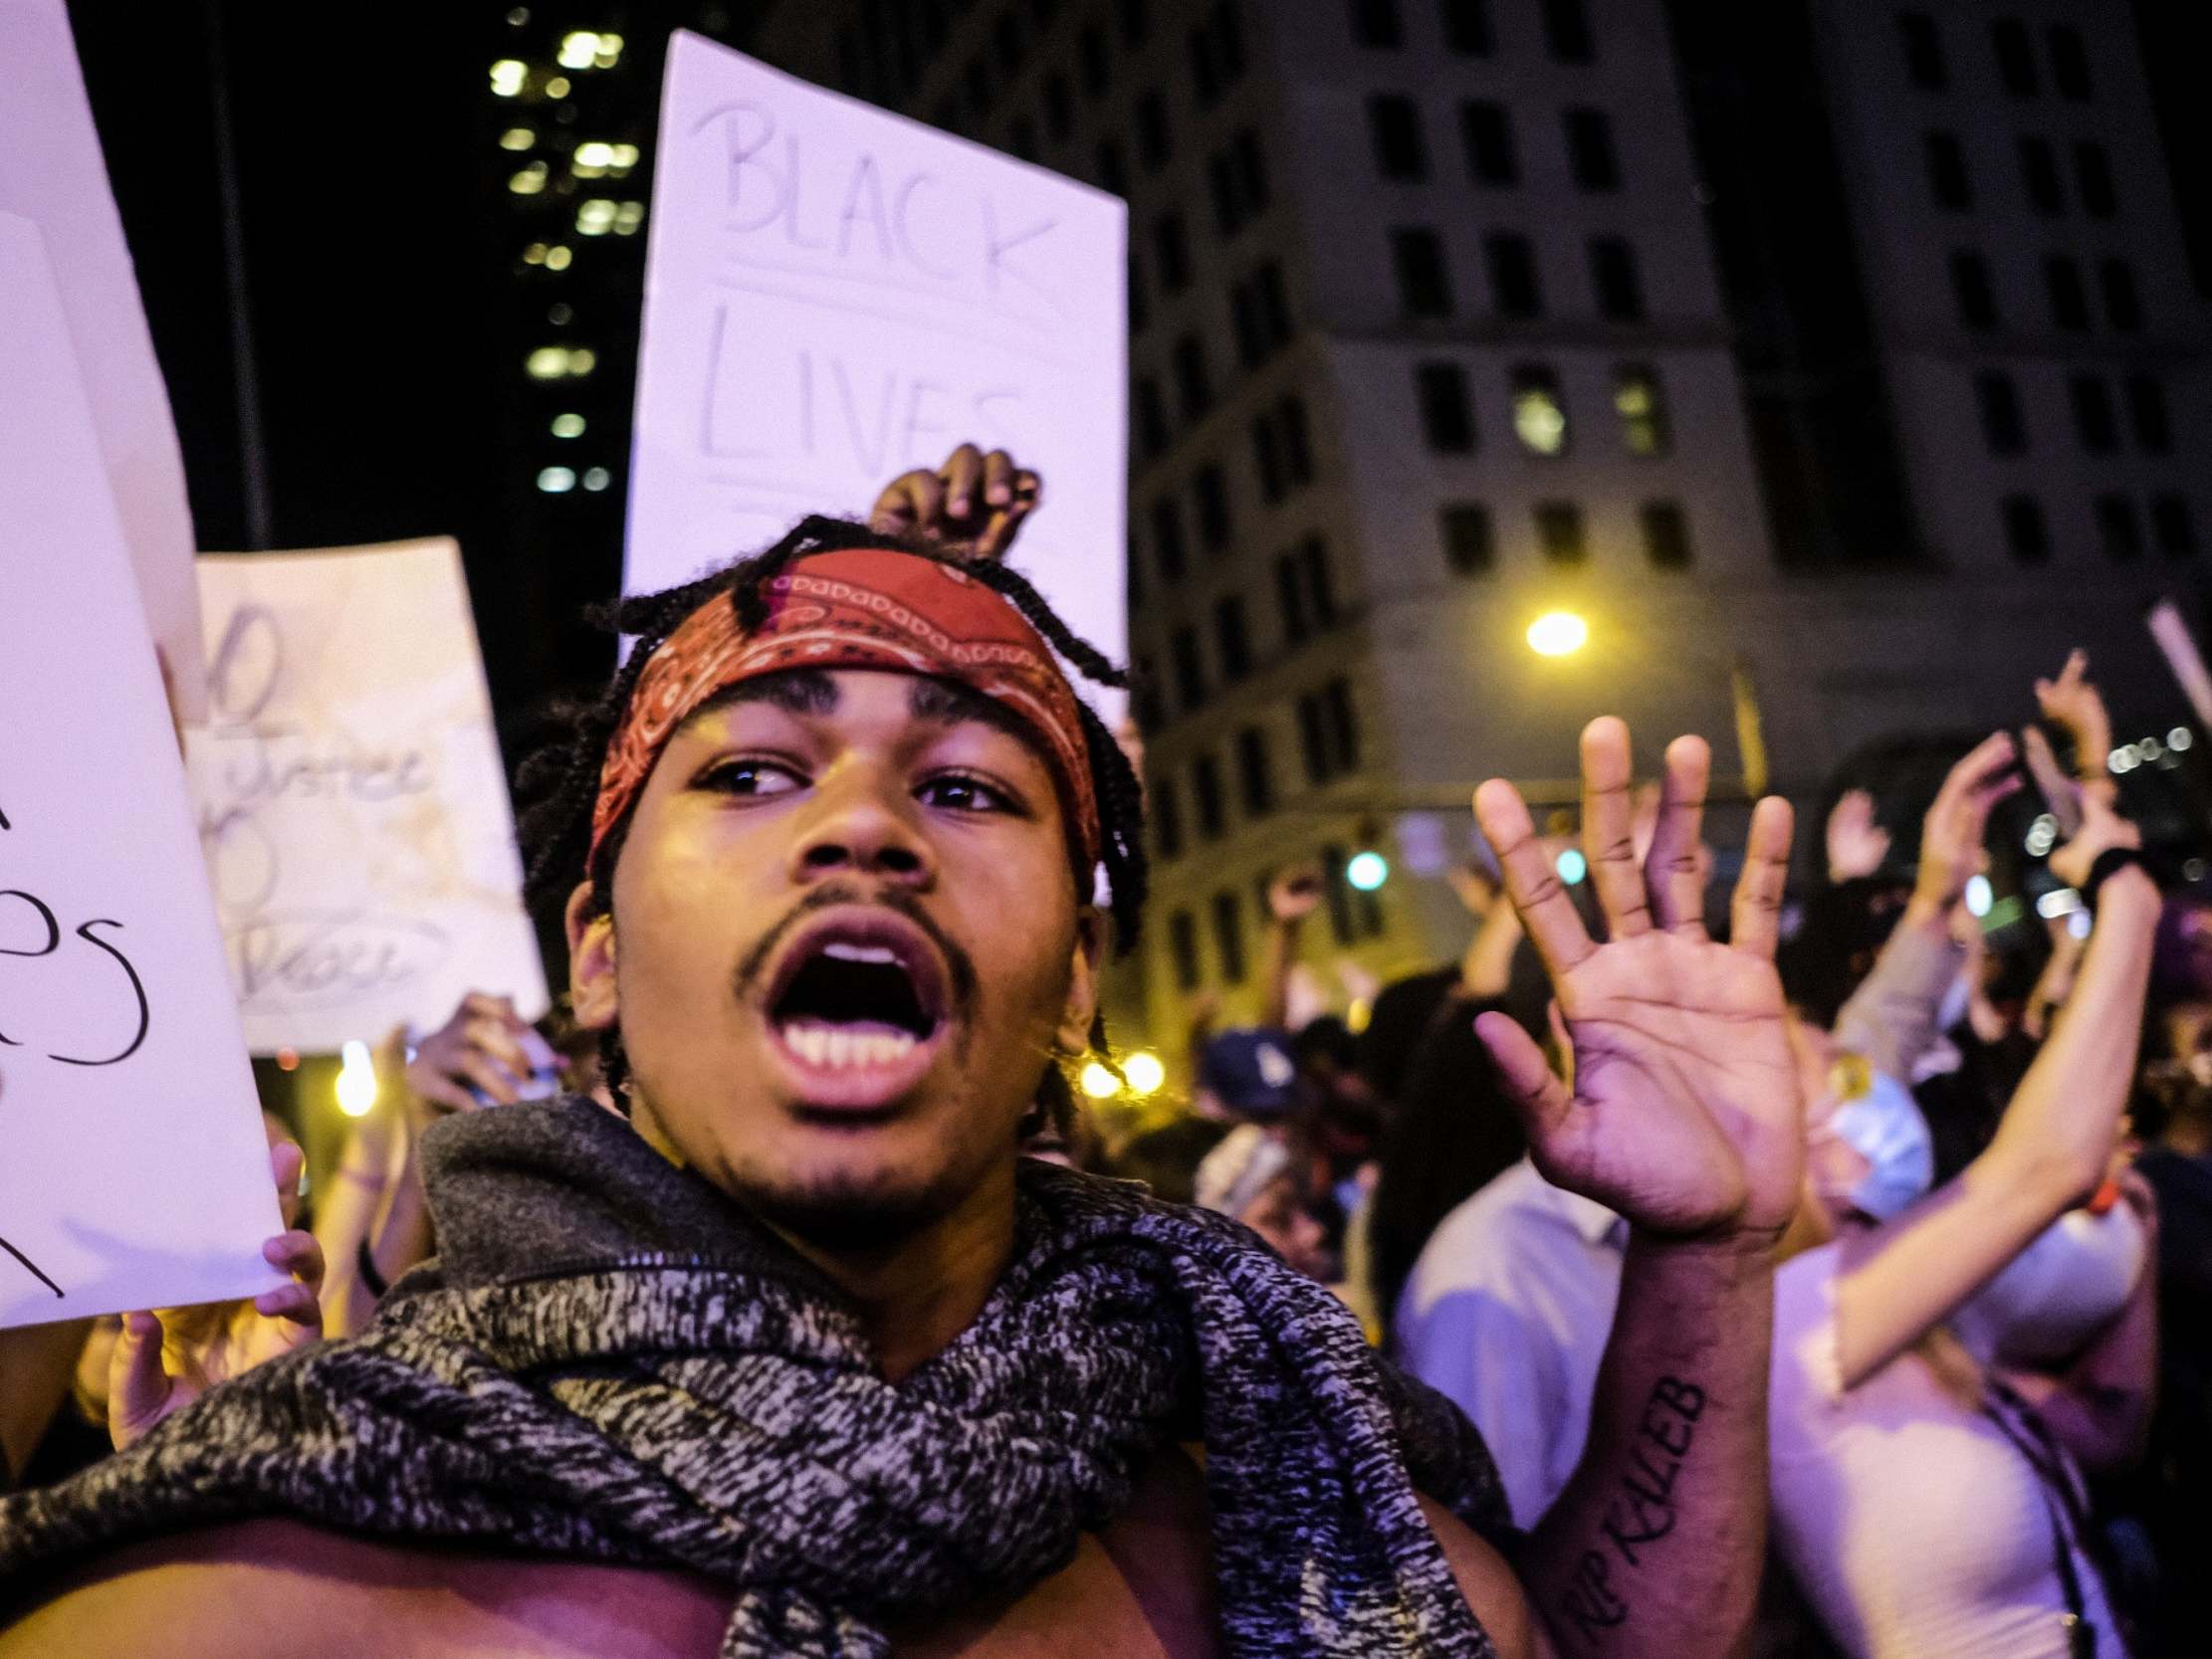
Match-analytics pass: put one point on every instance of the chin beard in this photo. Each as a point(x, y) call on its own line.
point(844, 1214)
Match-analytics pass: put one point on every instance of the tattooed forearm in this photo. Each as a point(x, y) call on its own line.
point(1641, 1513)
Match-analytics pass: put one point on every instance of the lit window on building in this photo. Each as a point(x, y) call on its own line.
point(1641, 406)
point(596, 158)
point(594, 217)
point(556, 480)
point(517, 138)
point(557, 86)
point(518, 17)
point(508, 77)
point(557, 257)
point(627, 217)
point(1539, 411)
point(568, 426)
point(529, 180)
point(585, 49)
point(534, 253)
point(560, 362)
point(596, 479)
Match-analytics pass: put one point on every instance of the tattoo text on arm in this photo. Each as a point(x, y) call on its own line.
point(1641, 1514)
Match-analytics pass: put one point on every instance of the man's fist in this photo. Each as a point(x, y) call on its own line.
point(975, 504)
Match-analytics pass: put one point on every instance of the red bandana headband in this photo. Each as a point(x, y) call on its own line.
point(862, 607)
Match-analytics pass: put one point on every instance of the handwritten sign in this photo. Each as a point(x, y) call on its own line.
point(52, 173)
point(353, 806)
point(133, 1168)
point(833, 296)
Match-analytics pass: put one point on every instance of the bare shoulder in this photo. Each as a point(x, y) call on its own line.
point(259, 1590)
point(1491, 1586)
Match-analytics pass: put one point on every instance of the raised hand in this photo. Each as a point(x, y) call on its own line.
point(1856, 845)
point(485, 1054)
point(2072, 703)
point(164, 1360)
point(974, 504)
point(1685, 1114)
point(1957, 821)
point(1295, 893)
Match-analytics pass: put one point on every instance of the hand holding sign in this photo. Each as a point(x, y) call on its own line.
point(119, 1044)
point(166, 1361)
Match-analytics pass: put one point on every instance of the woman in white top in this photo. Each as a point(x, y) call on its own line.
point(1929, 1502)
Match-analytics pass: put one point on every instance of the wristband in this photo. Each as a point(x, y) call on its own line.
point(2108, 863)
point(365, 1262)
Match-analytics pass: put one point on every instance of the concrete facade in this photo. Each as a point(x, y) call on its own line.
point(1380, 708)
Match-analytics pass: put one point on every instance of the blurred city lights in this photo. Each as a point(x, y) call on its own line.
point(1144, 1071)
point(1367, 870)
point(288, 1060)
point(2180, 739)
point(1539, 420)
point(1557, 634)
point(594, 217)
point(556, 480)
point(1572, 867)
point(557, 257)
point(1099, 1083)
point(557, 86)
point(596, 479)
point(2057, 903)
point(1979, 896)
point(529, 180)
point(568, 426)
point(586, 49)
point(356, 1081)
point(517, 138)
point(507, 76)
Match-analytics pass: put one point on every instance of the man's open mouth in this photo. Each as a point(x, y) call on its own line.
point(857, 1002)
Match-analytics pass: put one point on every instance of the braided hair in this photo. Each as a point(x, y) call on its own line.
point(558, 785)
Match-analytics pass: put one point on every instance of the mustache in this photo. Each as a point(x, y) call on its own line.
point(959, 964)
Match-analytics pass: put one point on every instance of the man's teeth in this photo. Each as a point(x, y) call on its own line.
point(833, 1046)
point(846, 951)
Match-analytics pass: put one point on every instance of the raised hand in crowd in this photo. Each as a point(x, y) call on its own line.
point(974, 504)
point(164, 1360)
point(2050, 1148)
point(1683, 1113)
point(1683, 1117)
point(1294, 895)
point(2074, 704)
point(375, 1224)
point(1856, 845)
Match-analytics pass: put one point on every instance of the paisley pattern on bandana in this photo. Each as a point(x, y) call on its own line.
point(861, 607)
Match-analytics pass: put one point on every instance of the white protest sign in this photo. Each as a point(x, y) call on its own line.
point(132, 1169)
point(352, 806)
point(834, 295)
point(52, 173)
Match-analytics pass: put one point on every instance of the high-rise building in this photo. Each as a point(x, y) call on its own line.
point(565, 133)
point(1448, 316)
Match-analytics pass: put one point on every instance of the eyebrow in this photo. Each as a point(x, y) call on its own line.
point(810, 691)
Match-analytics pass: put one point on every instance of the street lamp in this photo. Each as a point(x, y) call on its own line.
point(1558, 634)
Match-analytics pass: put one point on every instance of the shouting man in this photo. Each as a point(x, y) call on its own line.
point(802, 1359)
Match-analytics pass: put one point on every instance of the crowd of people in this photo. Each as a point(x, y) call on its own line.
point(1820, 1271)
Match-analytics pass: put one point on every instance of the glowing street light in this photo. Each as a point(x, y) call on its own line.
point(1367, 870)
point(1099, 1083)
point(1571, 866)
point(356, 1081)
point(1144, 1071)
point(1558, 634)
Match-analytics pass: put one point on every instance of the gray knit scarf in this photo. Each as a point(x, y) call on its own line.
point(611, 1361)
